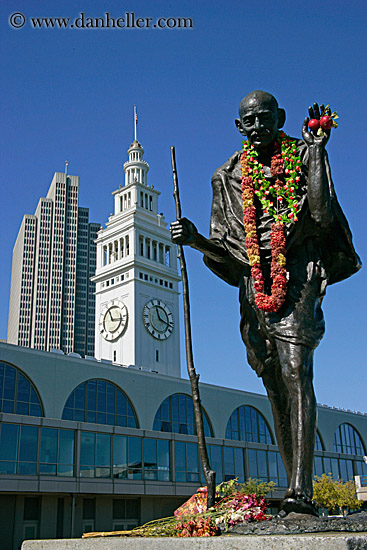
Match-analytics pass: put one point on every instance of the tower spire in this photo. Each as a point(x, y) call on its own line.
point(135, 123)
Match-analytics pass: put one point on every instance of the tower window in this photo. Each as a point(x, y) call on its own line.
point(157, 355)
point(114, 356)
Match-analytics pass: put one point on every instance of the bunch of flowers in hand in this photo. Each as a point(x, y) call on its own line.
point(238, 508)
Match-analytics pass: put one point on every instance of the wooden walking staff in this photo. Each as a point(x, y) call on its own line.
point(194, 378)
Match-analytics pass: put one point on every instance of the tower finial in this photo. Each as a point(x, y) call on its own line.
point(66, 167)
point(135, 123)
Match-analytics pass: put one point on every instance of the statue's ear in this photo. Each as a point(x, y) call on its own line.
point(281, 118)
point(239, 126)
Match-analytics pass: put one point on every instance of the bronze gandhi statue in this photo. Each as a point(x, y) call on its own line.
point(278, 233)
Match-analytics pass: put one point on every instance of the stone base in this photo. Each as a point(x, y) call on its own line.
point(327, 541)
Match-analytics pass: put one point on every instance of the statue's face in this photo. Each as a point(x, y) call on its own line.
point(259, 121)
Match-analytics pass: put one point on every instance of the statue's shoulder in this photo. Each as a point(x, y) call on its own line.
point(229, 166)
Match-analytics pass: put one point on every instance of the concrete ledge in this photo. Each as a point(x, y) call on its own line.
point(337, 541)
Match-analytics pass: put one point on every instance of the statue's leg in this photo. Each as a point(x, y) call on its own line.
point(279, 400)
point(297, 373)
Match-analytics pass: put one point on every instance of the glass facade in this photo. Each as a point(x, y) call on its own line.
point(176, 414)
point(17, 393)
point(30, 450)
point(267, 466)
point(318, 443)
point(45, 451)
point(347, 441)
point(248, 424)
point(100, 402)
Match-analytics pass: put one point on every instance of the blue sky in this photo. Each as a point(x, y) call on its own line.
point(68, 94)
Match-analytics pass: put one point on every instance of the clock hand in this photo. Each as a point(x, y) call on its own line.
point(109, 311)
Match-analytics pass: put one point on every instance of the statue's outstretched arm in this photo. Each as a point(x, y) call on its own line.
point(318, 191)
point(184, 232)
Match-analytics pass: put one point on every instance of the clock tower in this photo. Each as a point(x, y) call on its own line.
point(137, 317)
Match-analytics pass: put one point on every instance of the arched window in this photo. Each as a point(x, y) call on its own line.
point(318, 443)
point(347, 440)
point(100, 402)
point(17, 393)
point(176, 414)
point(247, 424)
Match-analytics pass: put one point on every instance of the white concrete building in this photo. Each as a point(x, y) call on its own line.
point(137, 321)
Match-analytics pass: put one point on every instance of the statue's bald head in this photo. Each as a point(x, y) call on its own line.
point(258, 96)
point(260, 118)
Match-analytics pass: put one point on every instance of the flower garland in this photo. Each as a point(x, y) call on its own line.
point(285, 163)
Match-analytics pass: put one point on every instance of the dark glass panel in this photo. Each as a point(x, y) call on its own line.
point(120, 456)
point(134, 457)
point(87, 446)
point(23, 389)
point(101, 396)
point(48, 469)
point(8, 406)
point(335, 468)
point(103, 450)
point(239, 464)
point(261, 465)
point(164, 408)
point(192, 457)
point(28, 444)
point(91, 395)
point(131, 422)
point(228, 461)
point(67, 414)
point(9, 383)
point(70, 401)
point(48, 445)
point(22, 408)
point(110, 419)
point(65, 470)
point(34, 396)
point(79, 415)
point(66, 447)
point(318, 466)
point(122, 404)
point(110, 405)
point(174, 409)
point(9, 442)
point(101, 418)
point(283, 482)
point(180, 456)
point(163, 460)
point(327, 465)
point(79, 394)
point(150, 453)
point(35, 410)
point(27, 468)
point(273, 468)
point(8, 468)
point(252, 463)
point(91, 416)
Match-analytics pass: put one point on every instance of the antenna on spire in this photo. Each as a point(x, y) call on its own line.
point(66, 166)
point(135, 122)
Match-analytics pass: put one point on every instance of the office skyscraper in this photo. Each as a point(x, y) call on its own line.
point(51, 298)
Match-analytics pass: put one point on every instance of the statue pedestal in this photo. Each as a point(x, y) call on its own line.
point(320, 541)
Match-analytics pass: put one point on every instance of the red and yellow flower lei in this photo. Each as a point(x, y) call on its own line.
point(285, 163)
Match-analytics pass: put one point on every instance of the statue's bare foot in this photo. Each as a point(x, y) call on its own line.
point(290, 493)
point(298, 503)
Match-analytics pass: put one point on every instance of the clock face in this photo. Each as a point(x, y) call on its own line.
point(158, 319)
point(113, 320)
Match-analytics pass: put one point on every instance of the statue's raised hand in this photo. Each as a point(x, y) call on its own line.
point(183, 231)
point(310, 136)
